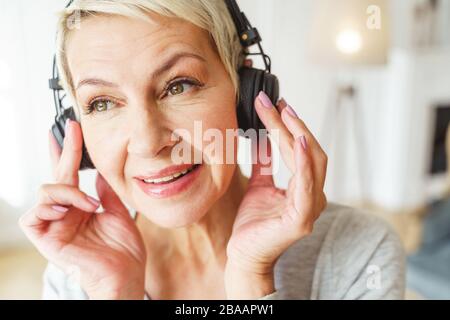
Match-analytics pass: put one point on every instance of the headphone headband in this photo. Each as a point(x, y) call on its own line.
point(248, 35)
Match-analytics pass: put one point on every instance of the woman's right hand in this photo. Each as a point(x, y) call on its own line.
point(105, 249)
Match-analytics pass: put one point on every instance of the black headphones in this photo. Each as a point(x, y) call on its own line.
point(252, 81)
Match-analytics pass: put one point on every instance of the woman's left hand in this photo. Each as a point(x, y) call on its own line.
point(270, 219)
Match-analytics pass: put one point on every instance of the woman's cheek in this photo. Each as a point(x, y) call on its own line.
point(106, 148)
point(219, 130)
point(220, 143)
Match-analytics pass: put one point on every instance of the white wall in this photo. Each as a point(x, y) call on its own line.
point(418, 83)
point(27, 37)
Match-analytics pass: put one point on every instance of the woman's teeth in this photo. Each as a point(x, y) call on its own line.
point(170, 177)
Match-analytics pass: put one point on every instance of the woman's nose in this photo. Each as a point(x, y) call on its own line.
point(149, 136)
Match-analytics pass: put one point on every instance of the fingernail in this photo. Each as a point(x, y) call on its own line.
point(265, 100)
point(291, 111)
point(282, 102)
point(303, 142)
point(60, 209)
point(93, 201)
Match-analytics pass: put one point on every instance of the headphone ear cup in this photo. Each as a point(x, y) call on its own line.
point(58, 130)
point(252, 81)
point(86, 162)
point(246, 94)
point(271, 87)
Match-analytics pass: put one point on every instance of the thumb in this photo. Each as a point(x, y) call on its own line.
point(262, 162)
point(108, 198)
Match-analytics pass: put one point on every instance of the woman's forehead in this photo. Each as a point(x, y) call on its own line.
point(117, 38)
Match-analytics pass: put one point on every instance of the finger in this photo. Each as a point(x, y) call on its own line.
point(304, 194)
point(281, 105)
point(108, 198)
point(35, 220)
point(262, 162)
point(43, 213)
point(272, 121)
point(291, 127)
point(66, 195)
point(55, 151)
point(298, 128)
point(69, 164)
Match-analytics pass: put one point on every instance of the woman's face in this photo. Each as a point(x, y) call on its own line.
point(135, 84)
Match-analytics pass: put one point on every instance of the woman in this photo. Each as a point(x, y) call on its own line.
point(138, 71)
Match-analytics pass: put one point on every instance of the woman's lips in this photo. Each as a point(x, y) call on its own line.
point(166, 189)
point(165, 172)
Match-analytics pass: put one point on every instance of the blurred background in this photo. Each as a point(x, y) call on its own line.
point(370, 78)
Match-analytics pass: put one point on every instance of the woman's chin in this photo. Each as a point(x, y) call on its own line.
point(175, 217)
point(187, 205)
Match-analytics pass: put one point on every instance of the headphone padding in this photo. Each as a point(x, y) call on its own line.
point(58, 130)
point(252, 81)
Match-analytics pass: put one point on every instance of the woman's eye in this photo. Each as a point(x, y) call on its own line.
point(102, 105)
point(180, 87)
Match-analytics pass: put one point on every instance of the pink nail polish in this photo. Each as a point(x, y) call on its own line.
point(291, 111)
point(265, 100)
point(60, 208)
point(282, 102)
point(94, 201)
point(303, 142)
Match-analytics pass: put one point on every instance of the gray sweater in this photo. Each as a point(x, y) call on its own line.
point(349, 255)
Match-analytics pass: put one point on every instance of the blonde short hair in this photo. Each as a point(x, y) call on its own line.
point(211, 15)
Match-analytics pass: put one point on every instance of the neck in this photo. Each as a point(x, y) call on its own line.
point(205, 241)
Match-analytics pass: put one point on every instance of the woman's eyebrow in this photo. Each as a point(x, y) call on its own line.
point(166, 66)
point(173, 60)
